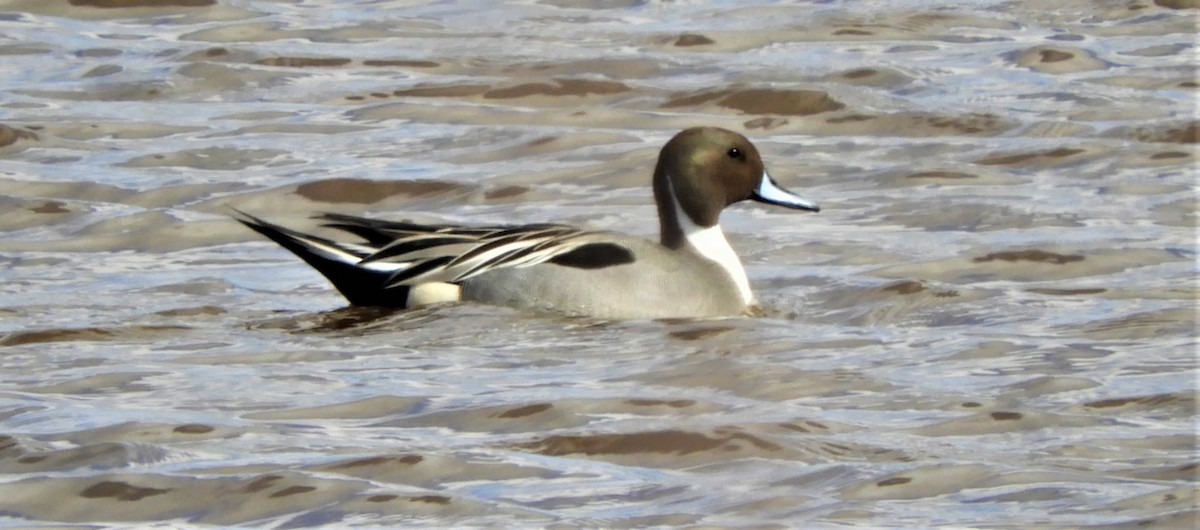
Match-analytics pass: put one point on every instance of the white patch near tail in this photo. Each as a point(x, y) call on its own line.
point(432, 293)
point(381, 266)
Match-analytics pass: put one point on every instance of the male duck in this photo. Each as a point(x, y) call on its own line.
point(691, 272)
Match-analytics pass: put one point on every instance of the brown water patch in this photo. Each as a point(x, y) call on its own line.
point(10, 135)
point(431, 499)
point(261, 483)
point(904, 287)
point(784, 102)
point(103, 70)
point(80, 334)
point(304, 62)
point(681, 100)
point(290, 128)
point(1178, 4)
point(970, 124)
point(1054, 56)
point(292, 490)
point(1185, 472)
point(210, 158)
point(372, 407)
point(143, 433)
point(408, 63)
point(623, 68)
point(193, 428)
point(1178, 133)
point(700, 332)
point(528, 410)
point(1015, 265)
point(806, 427)
point(660, 442)
point(944, 175)
point(443, 91)
point(921, 482)
point(876, 77)
point(692, 39)
point(1034, 255)
point(1148, 401)
point(1067, 292)
point(425, 471)
point(105, 455)
point(382, 498)
point(1057, 60)
point(378, 460)
point(1183, 135)
point(115, 4)
point(106, 383)
point(361, 462)
point(849, 118)
point(98, 52)
point(1160, 50)
point(894, 481)
point(25, 49)
point(49, 207)
point(775, 382)
point(1030, 495)
point(1025, 157)
point(765, 123)
point(207, 310)
point(560, 87)
point(675, 403)
point(997, 422)
point(54, 335)
point(1169, 154)
point(909, 287)
point(918, 124)
point(505, 192)
point(362, 191)
point(91, 130)
point(111, 498)
point(761, 101)
point(121, 491)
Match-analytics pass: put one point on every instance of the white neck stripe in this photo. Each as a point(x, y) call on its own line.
point(710, 242)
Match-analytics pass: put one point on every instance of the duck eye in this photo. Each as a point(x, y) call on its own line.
point(735, 152)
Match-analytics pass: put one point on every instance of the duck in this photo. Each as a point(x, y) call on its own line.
point(690, 272)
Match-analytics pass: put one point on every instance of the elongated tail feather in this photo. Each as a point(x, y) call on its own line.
point(338, 263)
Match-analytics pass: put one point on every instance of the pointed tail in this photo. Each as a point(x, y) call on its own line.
point(360, 285)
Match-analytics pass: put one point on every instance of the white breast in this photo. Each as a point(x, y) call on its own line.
point(710, 242)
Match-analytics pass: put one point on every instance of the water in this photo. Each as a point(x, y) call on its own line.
point(990, 324)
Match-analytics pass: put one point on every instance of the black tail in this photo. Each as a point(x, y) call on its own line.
point(360, 286)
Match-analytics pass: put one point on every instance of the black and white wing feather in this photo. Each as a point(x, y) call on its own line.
point(416, 253)
point(393, 256)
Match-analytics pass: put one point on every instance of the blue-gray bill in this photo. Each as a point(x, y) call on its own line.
point(770, 192)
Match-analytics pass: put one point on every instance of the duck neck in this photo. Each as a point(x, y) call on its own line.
point(669, 230)
point(678, 231)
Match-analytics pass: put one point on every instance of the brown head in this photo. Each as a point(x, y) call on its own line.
point(705, 169)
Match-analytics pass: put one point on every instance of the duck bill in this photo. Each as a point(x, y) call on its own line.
point(770, 192)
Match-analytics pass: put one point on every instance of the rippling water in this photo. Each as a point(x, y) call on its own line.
point(991, 323)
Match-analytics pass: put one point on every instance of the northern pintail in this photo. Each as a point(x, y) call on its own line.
point(691, 272)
